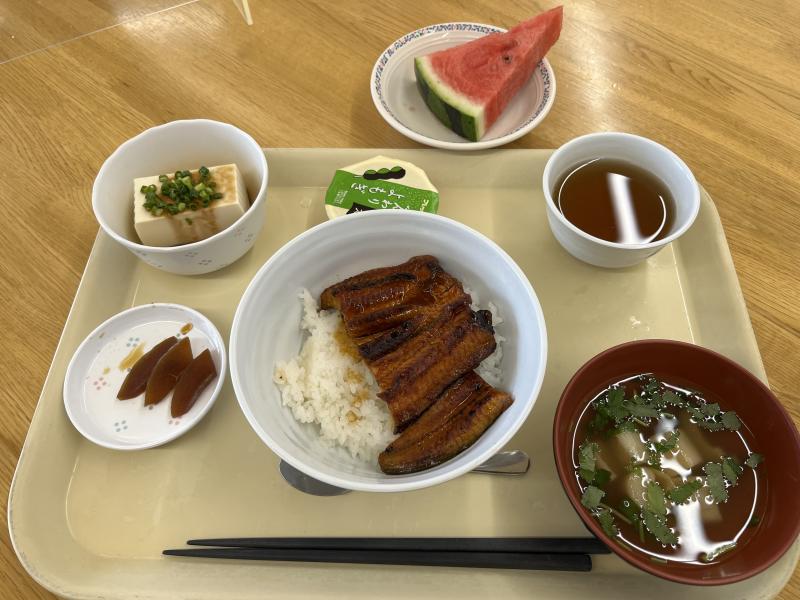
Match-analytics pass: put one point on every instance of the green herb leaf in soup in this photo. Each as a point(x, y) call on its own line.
point(731, 421)
point(656, 501)
point(601, 477)
point(715, 482)
point(754, 460)
point(685, 491)
point(607, 522)
point(657, 525)
point(731, 469)
point(587, 457)
point(669, 443)
point(717, 552)
point(615, 406)
point(591, 497)
point(670, 398)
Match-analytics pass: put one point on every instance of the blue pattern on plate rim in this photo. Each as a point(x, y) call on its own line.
point(443, 27)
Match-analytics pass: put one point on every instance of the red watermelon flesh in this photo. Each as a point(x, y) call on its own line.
point(489, 71)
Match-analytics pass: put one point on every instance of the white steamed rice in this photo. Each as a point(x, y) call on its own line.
point(489, 369)
point(329, 385)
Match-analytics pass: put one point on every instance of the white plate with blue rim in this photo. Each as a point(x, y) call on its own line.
point(102, 361)
point(395, 94)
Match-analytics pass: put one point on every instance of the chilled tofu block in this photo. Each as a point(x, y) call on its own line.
point(191, 225)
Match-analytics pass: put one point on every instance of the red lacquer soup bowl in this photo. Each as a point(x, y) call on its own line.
point(769, 430)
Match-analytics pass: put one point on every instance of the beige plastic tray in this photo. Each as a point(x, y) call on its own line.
point(88, 522)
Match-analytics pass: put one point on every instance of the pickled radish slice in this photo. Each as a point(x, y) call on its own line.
point(136, 380)
point(167, 370)
point(192, 381)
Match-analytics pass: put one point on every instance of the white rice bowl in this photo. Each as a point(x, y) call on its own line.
point(266, 331)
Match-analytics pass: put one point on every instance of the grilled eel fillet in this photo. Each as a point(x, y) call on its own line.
point(416, 269)
point(455, 421)
point(383, 308)
point(414, 375)
point(413, 326)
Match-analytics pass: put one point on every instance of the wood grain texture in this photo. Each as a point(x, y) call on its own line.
point(27, 26)
point(717, 82)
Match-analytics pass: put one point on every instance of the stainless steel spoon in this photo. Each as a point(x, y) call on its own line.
point(513, 462)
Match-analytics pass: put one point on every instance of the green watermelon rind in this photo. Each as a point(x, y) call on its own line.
point(454, 110)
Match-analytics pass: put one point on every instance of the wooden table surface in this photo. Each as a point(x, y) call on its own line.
point(715, 81)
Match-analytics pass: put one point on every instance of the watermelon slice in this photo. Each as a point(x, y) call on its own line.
point(468, 86)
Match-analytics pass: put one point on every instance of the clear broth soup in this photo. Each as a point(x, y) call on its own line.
point(705, 529)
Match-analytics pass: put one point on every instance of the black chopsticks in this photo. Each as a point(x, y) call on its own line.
point(555, 554)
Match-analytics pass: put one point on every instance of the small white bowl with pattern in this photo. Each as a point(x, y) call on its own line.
point(166, 148)
point(394, 91)
point(102, 361)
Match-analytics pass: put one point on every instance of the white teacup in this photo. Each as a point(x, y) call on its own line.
point(638, 151)
point(165, 149)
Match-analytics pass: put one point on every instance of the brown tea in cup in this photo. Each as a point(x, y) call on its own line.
point(615, 201)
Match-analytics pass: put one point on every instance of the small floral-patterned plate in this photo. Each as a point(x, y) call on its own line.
point(104, 358)
point(394, 91)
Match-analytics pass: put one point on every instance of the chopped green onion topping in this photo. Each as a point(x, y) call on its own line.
point(180, 192)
